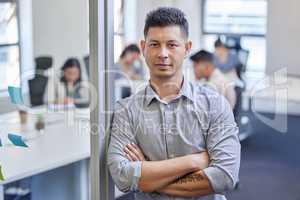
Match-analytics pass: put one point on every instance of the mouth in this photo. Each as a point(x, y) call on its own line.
point(163, 65)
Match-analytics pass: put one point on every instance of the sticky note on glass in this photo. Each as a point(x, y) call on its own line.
point(1, 174)
point(16, 140)
point(15, 94)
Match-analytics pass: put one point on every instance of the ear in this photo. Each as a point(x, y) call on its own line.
point(188, 47)
point(143, 44)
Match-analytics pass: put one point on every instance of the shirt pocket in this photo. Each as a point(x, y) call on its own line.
point(149, 135)
point(192, 132)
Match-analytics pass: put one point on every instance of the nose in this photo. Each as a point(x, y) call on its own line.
point(163, 53)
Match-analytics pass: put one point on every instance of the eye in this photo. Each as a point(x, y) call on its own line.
point(153, 45)
point(172, 45)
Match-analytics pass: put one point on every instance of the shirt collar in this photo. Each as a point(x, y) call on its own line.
point(185, 91)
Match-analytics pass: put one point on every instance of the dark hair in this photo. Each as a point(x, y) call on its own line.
point(219, 43)
point(71, 62)
point(202, 56)
point(130, 48)
point(166, 16)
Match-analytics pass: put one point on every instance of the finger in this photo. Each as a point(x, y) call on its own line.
point(133, 157)
point(137, 148)
point(128, 156)
point(135, 151)
point(132, 149)
point(141, 153)
point(131, 154)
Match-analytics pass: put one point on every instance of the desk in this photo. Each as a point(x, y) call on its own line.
point(63, 141)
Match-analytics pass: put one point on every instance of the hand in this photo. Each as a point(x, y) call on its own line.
point(134, 153)
point(68, 100)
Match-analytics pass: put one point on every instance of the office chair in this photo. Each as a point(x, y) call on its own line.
point(37, 85)
point(242, 117)
point(43, 62)
point(243, 56)
point(233, 42)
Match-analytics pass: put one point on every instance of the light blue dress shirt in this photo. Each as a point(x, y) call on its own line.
point(198, 120)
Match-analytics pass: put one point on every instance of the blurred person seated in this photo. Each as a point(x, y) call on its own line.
point(206, 73)
point(69, 89)
point(130, 63)
point(226, 60)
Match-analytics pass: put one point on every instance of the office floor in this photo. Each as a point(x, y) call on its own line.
point(270, 166)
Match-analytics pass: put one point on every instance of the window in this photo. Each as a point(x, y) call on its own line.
point(118, 28)
point(244, 18)
point(9, 45)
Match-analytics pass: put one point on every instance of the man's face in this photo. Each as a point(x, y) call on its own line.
point(164, 50)
point(201, 70)
point(131, 57)
point(219, 51)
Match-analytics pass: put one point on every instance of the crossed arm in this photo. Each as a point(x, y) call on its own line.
point(182, 176)
point(186, 176)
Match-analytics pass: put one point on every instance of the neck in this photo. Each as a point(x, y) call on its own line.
point(167, 89)
point(211, 71)
point(70, 83)
point(124, 65)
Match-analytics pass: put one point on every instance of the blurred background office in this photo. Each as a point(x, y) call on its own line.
point(255, 45)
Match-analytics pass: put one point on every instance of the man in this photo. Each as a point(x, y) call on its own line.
point(129, 58)
point(204, 69)
point(172, 140)
point(226, 61)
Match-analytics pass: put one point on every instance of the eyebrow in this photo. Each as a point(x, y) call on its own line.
point(151, 40)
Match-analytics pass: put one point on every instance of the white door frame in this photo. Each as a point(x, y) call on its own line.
point(101, 57)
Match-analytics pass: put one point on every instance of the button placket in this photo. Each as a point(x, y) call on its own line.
point(163, 127)
point(169, 133)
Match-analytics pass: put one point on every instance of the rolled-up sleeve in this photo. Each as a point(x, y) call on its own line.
point(223, 146)
point(126, 174)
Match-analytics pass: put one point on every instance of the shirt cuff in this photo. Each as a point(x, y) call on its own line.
point(218, 179)
point(136, 175)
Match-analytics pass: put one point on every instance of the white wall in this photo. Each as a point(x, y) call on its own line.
point(283, 31)
point(60, 29)
point(130, 8)
point(283, 36)
point(192, 9)
point(26, 42)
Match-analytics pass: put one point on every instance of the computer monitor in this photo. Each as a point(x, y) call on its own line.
point(124, 88)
